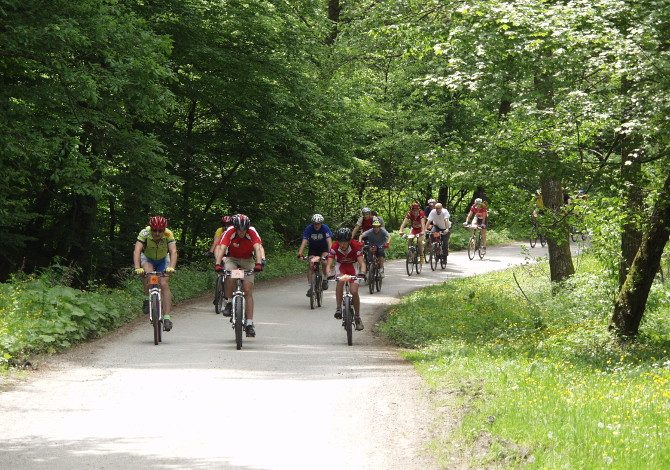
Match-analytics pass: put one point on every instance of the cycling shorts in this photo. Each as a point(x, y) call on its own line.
point(159, 265)
point(247, 264)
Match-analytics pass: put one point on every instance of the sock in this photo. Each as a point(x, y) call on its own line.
point(250, 322)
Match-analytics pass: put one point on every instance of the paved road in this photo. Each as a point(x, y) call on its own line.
point(294, 397)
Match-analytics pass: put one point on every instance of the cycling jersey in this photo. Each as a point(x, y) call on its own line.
point(441, 220)
point(218, 233)
point(155, 250)
point(346, 259)
point(415, 220)
point(366, 223)
point(480, 212)
point(376, 238)
point(317, 239)
point(240, 247)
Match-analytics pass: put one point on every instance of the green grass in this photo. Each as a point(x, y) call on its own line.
point(541, 385)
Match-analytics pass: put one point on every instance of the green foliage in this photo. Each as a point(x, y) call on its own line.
point(542, 382)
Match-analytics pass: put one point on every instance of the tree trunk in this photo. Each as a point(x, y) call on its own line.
point(560, 257)
point(631, 176)
point(334, 9)
point(632, 298)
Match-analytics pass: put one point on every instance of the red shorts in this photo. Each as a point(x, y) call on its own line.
point(346, 268)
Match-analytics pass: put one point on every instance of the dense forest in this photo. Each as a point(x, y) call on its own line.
point(112, 111)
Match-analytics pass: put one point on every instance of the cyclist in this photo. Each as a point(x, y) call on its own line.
point(538, 204)
point(226, 221)
point(431, 205)
point(156, 250)
point(379, 237)
point(479, 214)
point(438, 221)
point(417, 220)
point(364, 222)
point(320, 238)
point(346, 252)
point(238, 245)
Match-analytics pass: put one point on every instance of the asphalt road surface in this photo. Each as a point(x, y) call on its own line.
point(294, 397)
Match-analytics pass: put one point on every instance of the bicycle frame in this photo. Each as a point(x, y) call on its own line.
point(347, 305)
point(155, 304)
point(238, 317)
point(412, 262)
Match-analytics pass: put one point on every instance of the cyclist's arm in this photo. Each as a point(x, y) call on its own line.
point(139, 246)
point(219, 252)
point(361, 263)
point(402, 225)
point(172, 248)
point(259, 251)
point(423, 225)
point(355, 231)
point(329, 240)
point(329, 263)
point(302, 246)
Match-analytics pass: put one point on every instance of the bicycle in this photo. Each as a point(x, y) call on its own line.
point(436, 253)
point(374, 274)
point(412, 261)
point(238, 317)
point(535, 234)
point(347, 304)
point(475, 242)
point(575, 234)
point(219, 293)
point(155, 307)
point(316, 286)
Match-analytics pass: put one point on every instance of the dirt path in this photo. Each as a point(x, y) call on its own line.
point(294, 397)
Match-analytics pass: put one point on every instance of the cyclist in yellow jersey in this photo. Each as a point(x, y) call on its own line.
point(156, 250)
point(226, 221)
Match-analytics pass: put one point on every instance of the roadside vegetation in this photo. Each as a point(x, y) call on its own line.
point(539, 381)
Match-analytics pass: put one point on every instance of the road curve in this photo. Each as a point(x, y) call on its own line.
point(294, 397)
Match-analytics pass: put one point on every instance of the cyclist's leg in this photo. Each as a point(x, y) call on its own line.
point(338, 295)
point(484, 238)
point(353, 288)
point(421, 240)
point(248, 287)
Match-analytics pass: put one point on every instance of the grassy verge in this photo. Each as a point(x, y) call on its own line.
point(541, 384)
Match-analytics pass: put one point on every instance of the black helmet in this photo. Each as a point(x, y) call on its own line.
point(343, 234)
point(241, 222)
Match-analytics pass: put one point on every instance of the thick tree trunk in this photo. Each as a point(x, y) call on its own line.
point(560, 257)
point(632, 298)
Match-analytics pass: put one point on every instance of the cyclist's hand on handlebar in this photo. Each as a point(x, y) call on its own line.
point(258, 267)
point(139, 271)
point(218, 268)
point(362, 276)
point(385, 245)
point(331, 277)
point(300, 256)
point(169, 269)
point(483, 225)
point(465, 224)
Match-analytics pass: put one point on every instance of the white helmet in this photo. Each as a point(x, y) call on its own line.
point(478, 200)
point(317, 219)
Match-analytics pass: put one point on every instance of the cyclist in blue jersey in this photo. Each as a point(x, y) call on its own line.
point(320, 238)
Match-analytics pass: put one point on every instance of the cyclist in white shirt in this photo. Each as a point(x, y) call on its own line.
point(438, 221)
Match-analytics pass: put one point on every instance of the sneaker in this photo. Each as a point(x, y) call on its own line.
point(381, 273)
point(228, 310)
point(145, 307)
point(251, 332)
point(324, 284)
point(309, 292)
point(167, 323)
point(338, 313)
point(359, 323)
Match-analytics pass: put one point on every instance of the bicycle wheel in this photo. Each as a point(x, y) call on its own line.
point(573, 235)
point(372, 273)
point(472, 246)
point(533, 237)
point(480, 249)
point(543, 240)
point(584, 236)
point(219, 295)
point(155, 318)
point(443, 261)
point(312, 297)
point(418, 262)
point(319, 290)
point(409, 262)
point(434, 256)
point(378, 280)
point(348, 314)
point(238, 311)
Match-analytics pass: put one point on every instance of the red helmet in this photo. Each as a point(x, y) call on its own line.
point(241, 222)
point(415, 206)
point(226, 221)
point(158, 222)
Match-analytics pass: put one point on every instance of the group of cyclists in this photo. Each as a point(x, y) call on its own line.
point(238, 245)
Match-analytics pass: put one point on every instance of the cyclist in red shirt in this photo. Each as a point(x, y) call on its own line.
point(417, 220)
point(238, 244)
point(479, 214)
point(346, 253)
